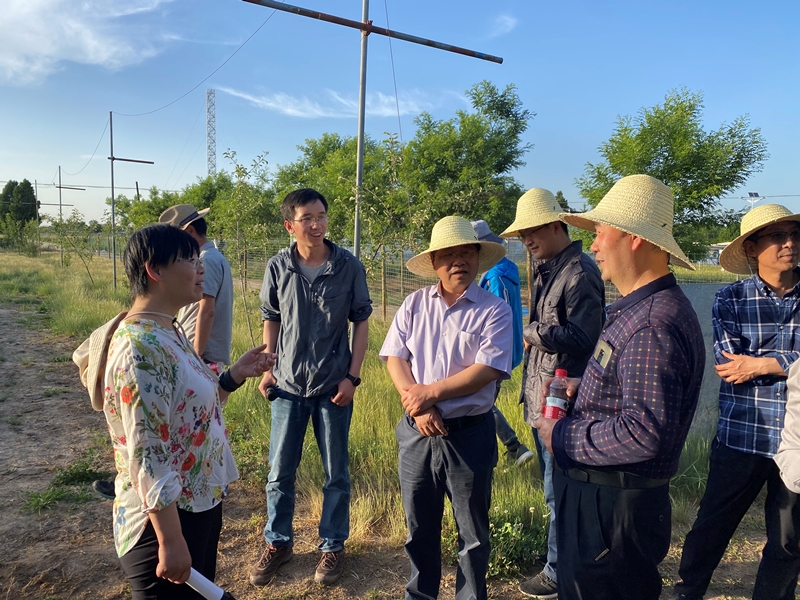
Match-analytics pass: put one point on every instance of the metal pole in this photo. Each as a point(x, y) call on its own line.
point(60, 218)
point(113, 214)
point(362, 95)
point(38, 219)
point(370, 28)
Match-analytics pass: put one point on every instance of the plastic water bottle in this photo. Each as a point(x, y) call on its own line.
point(556, 401)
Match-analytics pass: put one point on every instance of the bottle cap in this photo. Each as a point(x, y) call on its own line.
point(561, 372)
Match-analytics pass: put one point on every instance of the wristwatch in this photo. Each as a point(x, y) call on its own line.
point(356, 381)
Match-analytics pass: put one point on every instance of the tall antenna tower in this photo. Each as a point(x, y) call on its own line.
point(211, 132)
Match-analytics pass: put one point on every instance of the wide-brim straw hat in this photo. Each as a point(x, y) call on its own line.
point(733, 258)
point(450, 232)
point(640, 205)
point(90, 357)
point(182, 215)
point(535, 208)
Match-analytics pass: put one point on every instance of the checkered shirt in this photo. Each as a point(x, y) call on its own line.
point(633, 412)
point(749, 318)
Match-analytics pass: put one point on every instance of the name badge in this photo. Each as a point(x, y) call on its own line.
point(602, 352)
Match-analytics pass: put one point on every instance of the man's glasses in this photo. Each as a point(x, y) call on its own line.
point(308, 220)
point(780, 237)
point(523, 233)
point(448, 257)
point(194, 261)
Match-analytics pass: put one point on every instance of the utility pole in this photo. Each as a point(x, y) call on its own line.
point(366, 28)
point(112, 158)
point(211, 132)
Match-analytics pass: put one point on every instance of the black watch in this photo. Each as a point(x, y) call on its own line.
point(356, 381)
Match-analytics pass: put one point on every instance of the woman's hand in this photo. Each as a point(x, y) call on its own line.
point(174, 560)
point(253, 363)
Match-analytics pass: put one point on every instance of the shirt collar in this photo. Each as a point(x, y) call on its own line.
point(764, 289)
point(637, 295)
point(555, 263)
point(471, 293)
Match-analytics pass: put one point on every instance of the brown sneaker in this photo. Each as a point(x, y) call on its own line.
point(266, 569)
point(330, 567)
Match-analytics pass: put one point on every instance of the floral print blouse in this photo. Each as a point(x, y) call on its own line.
point(165, 418)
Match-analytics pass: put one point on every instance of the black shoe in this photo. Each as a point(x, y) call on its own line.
point(541, 587)
point(685, 597)
point(104, 489)
point(267, 567)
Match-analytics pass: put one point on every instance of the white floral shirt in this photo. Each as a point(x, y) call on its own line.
point(165, 418)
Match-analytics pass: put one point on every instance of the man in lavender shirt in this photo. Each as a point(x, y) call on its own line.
point(447, 346)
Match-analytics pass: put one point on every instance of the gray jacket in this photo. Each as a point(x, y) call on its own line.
point(568, 315)
point(313, 346)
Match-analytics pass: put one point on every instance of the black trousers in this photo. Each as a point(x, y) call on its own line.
point(201, 532)
point(610, 540)
point(734, 481)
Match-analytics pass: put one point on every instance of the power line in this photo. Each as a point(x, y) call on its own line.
point(97, 187)
point(102, 135)
point(206, 78)
point(394, 75)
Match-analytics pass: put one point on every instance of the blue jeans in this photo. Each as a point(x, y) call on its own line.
point(290, 415)
point(550, 500)
point(460, 466)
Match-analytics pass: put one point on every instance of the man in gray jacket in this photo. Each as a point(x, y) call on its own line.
point(310, 292)
point(564, 326)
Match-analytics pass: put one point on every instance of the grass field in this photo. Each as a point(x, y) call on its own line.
point(74, 306)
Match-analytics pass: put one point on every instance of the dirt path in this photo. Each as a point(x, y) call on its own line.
point(67, 551)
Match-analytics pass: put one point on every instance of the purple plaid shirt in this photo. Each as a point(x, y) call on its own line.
point(635, 406)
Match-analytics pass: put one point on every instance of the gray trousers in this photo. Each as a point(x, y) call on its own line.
point(459, 466)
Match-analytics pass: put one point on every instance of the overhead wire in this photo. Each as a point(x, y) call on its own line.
point(235, 52)
point(394, 75)
point(184, 146)
point(102, 135)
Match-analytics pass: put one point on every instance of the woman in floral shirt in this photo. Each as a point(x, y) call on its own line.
point(164, 413)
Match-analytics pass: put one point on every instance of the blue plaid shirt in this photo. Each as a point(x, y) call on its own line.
point(750, 319)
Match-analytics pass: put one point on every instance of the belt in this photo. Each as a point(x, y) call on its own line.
point(459, 423)
point(617, 479)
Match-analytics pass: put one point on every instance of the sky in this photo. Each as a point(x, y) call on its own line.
point(577, 64)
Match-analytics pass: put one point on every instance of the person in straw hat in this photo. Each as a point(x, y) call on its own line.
point(447, 346)
point(563, 328)
point(208, 323)
point(756, 338)
point(503, 281)
point(621, 441)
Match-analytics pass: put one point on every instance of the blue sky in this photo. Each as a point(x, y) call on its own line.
point(577, 64)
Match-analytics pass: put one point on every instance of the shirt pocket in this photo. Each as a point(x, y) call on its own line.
point(466, 350)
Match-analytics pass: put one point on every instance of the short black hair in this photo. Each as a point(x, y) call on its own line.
point(200, 226)
point(154, 245)
point(564, 227)
point(298, 198)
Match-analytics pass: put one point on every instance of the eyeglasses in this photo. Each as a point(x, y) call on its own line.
point(447, 257)
point(523, 233)
point(194, 261)
point(308, 220)
point(780, 237)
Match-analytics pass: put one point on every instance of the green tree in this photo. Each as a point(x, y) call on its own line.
point(562, 202)
point(463, 165)
point(5, 198)
point(23, 207)
point(668, 142)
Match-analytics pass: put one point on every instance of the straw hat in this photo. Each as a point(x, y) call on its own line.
point(450, 232)
point(182, 215)
point(733, 258)
point(90, 357)
point(640, 205)
point(535, 207)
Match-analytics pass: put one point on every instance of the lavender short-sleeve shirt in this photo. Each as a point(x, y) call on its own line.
point(440, 341)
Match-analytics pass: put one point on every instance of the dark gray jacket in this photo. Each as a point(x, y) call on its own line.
point(568, 315)
point(313, 346)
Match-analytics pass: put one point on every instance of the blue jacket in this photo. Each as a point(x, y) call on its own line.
point(503, 281)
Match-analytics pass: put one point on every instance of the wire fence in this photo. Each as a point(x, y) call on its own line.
point(387, 277)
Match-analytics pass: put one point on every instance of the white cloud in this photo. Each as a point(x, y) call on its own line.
point(502, 25)
point(334, 105)
point(36, 36)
